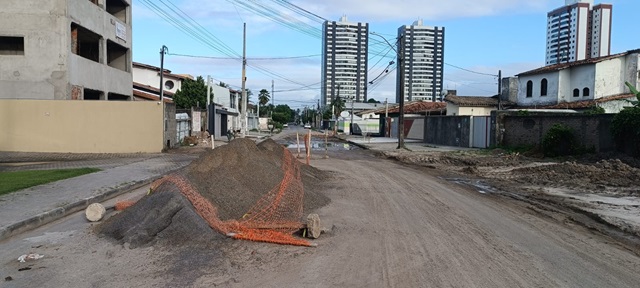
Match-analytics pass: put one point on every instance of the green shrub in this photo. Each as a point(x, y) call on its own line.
point(595, 110)
point(559, 141)
point(625, 127)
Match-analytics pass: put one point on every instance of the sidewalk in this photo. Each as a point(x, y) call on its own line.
point(391, 144)
point(32, 207)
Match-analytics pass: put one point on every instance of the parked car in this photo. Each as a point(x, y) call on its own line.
point(307, 126)
point(285, 125)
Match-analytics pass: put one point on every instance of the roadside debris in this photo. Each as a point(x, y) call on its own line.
point(95, 212)
point(29, 257)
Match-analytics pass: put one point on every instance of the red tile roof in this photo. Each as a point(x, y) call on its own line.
point(474, 101)
point(584, 104)
point(141, 86)
point(415, 107)
point(151, 97)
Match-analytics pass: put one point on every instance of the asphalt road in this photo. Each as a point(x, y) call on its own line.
point(391, 226)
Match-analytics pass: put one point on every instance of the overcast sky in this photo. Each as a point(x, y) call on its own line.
point(480, 35)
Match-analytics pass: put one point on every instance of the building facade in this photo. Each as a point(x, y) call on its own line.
point(578, 31)
point(590, 79)
point(423, 62)
point(344, 60)
point(66, 49)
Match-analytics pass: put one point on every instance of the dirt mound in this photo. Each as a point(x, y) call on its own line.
point(232, 177)
point(605, 172)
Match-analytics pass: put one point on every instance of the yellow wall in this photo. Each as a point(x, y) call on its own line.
point(80, 126)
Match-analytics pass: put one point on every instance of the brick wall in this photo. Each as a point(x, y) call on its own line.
point(513, 130)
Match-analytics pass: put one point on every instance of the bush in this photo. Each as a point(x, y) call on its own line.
point(625, 127)
point(559, 141)
point(595, 110)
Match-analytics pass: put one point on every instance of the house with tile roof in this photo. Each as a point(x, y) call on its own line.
point(473, 105)
point(581, 84)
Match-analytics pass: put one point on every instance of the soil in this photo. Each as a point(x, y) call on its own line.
point(591, 184)
point(232, 177)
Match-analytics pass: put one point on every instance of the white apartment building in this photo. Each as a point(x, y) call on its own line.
point(577, 31)
point(423, 62)
point(344, 60)
point(65, 49)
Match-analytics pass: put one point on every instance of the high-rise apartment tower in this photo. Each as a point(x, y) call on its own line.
point(577, 31)
point(423, 64)
point(344, 60)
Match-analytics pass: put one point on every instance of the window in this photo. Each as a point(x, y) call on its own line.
point(11, 45)
point(117, 8)
point(85, 43)
point(89, 94)
point(543, 87)
point(576, 92)
point(585, 92)
point(529, 88)
point(169, 84)
point(117, 56)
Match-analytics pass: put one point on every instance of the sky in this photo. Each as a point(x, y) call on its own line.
point(483, 36)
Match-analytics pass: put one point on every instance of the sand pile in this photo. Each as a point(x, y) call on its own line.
point(232, 177)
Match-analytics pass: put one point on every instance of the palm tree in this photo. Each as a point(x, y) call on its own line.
point(338, 106)
point(263, 97)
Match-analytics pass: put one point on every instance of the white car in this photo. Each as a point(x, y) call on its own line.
point(285, 125)
point(307, 126)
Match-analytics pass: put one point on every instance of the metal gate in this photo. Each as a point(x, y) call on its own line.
point(481, 131)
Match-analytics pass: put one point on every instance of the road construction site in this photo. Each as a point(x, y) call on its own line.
point(392, 218)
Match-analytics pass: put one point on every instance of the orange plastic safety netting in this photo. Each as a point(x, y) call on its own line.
point(272, 219)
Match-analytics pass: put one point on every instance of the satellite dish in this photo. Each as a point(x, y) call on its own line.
point(344, 114)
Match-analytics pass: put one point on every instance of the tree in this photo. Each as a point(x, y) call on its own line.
point(222, 84)
point(338, 106)
point(263, 97)
point(625, 126)
point(371, 100)
point(193, 93)
point(283, 114)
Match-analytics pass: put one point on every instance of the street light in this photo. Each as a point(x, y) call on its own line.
point(400, 55)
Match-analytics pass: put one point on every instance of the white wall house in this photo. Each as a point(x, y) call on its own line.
point(590, 79)
point(65, 49)
point(148, 76)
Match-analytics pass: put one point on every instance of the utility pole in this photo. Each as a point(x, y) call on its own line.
point(273, 95)
point(499, 89)
point(401, 116)
point(208, 90)
point(243, 113)
point(163, 51)
point(353, 99)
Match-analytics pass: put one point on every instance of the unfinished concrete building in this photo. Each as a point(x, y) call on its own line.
point(65, 49)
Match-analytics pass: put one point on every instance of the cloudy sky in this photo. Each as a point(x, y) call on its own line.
point(284, 45)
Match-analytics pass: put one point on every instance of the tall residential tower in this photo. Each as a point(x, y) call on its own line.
point(344, 60)
point(577, 31)
point(424, 59)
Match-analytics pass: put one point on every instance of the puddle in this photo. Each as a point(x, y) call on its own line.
point(331, 146)
point(480, 186)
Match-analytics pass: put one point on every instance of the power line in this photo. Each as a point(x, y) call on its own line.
point(471, 71)
point(236, 58)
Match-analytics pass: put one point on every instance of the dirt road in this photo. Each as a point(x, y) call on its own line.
point(396, 226)
point(391, 226)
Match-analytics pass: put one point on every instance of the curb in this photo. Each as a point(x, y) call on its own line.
point(61, 212)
